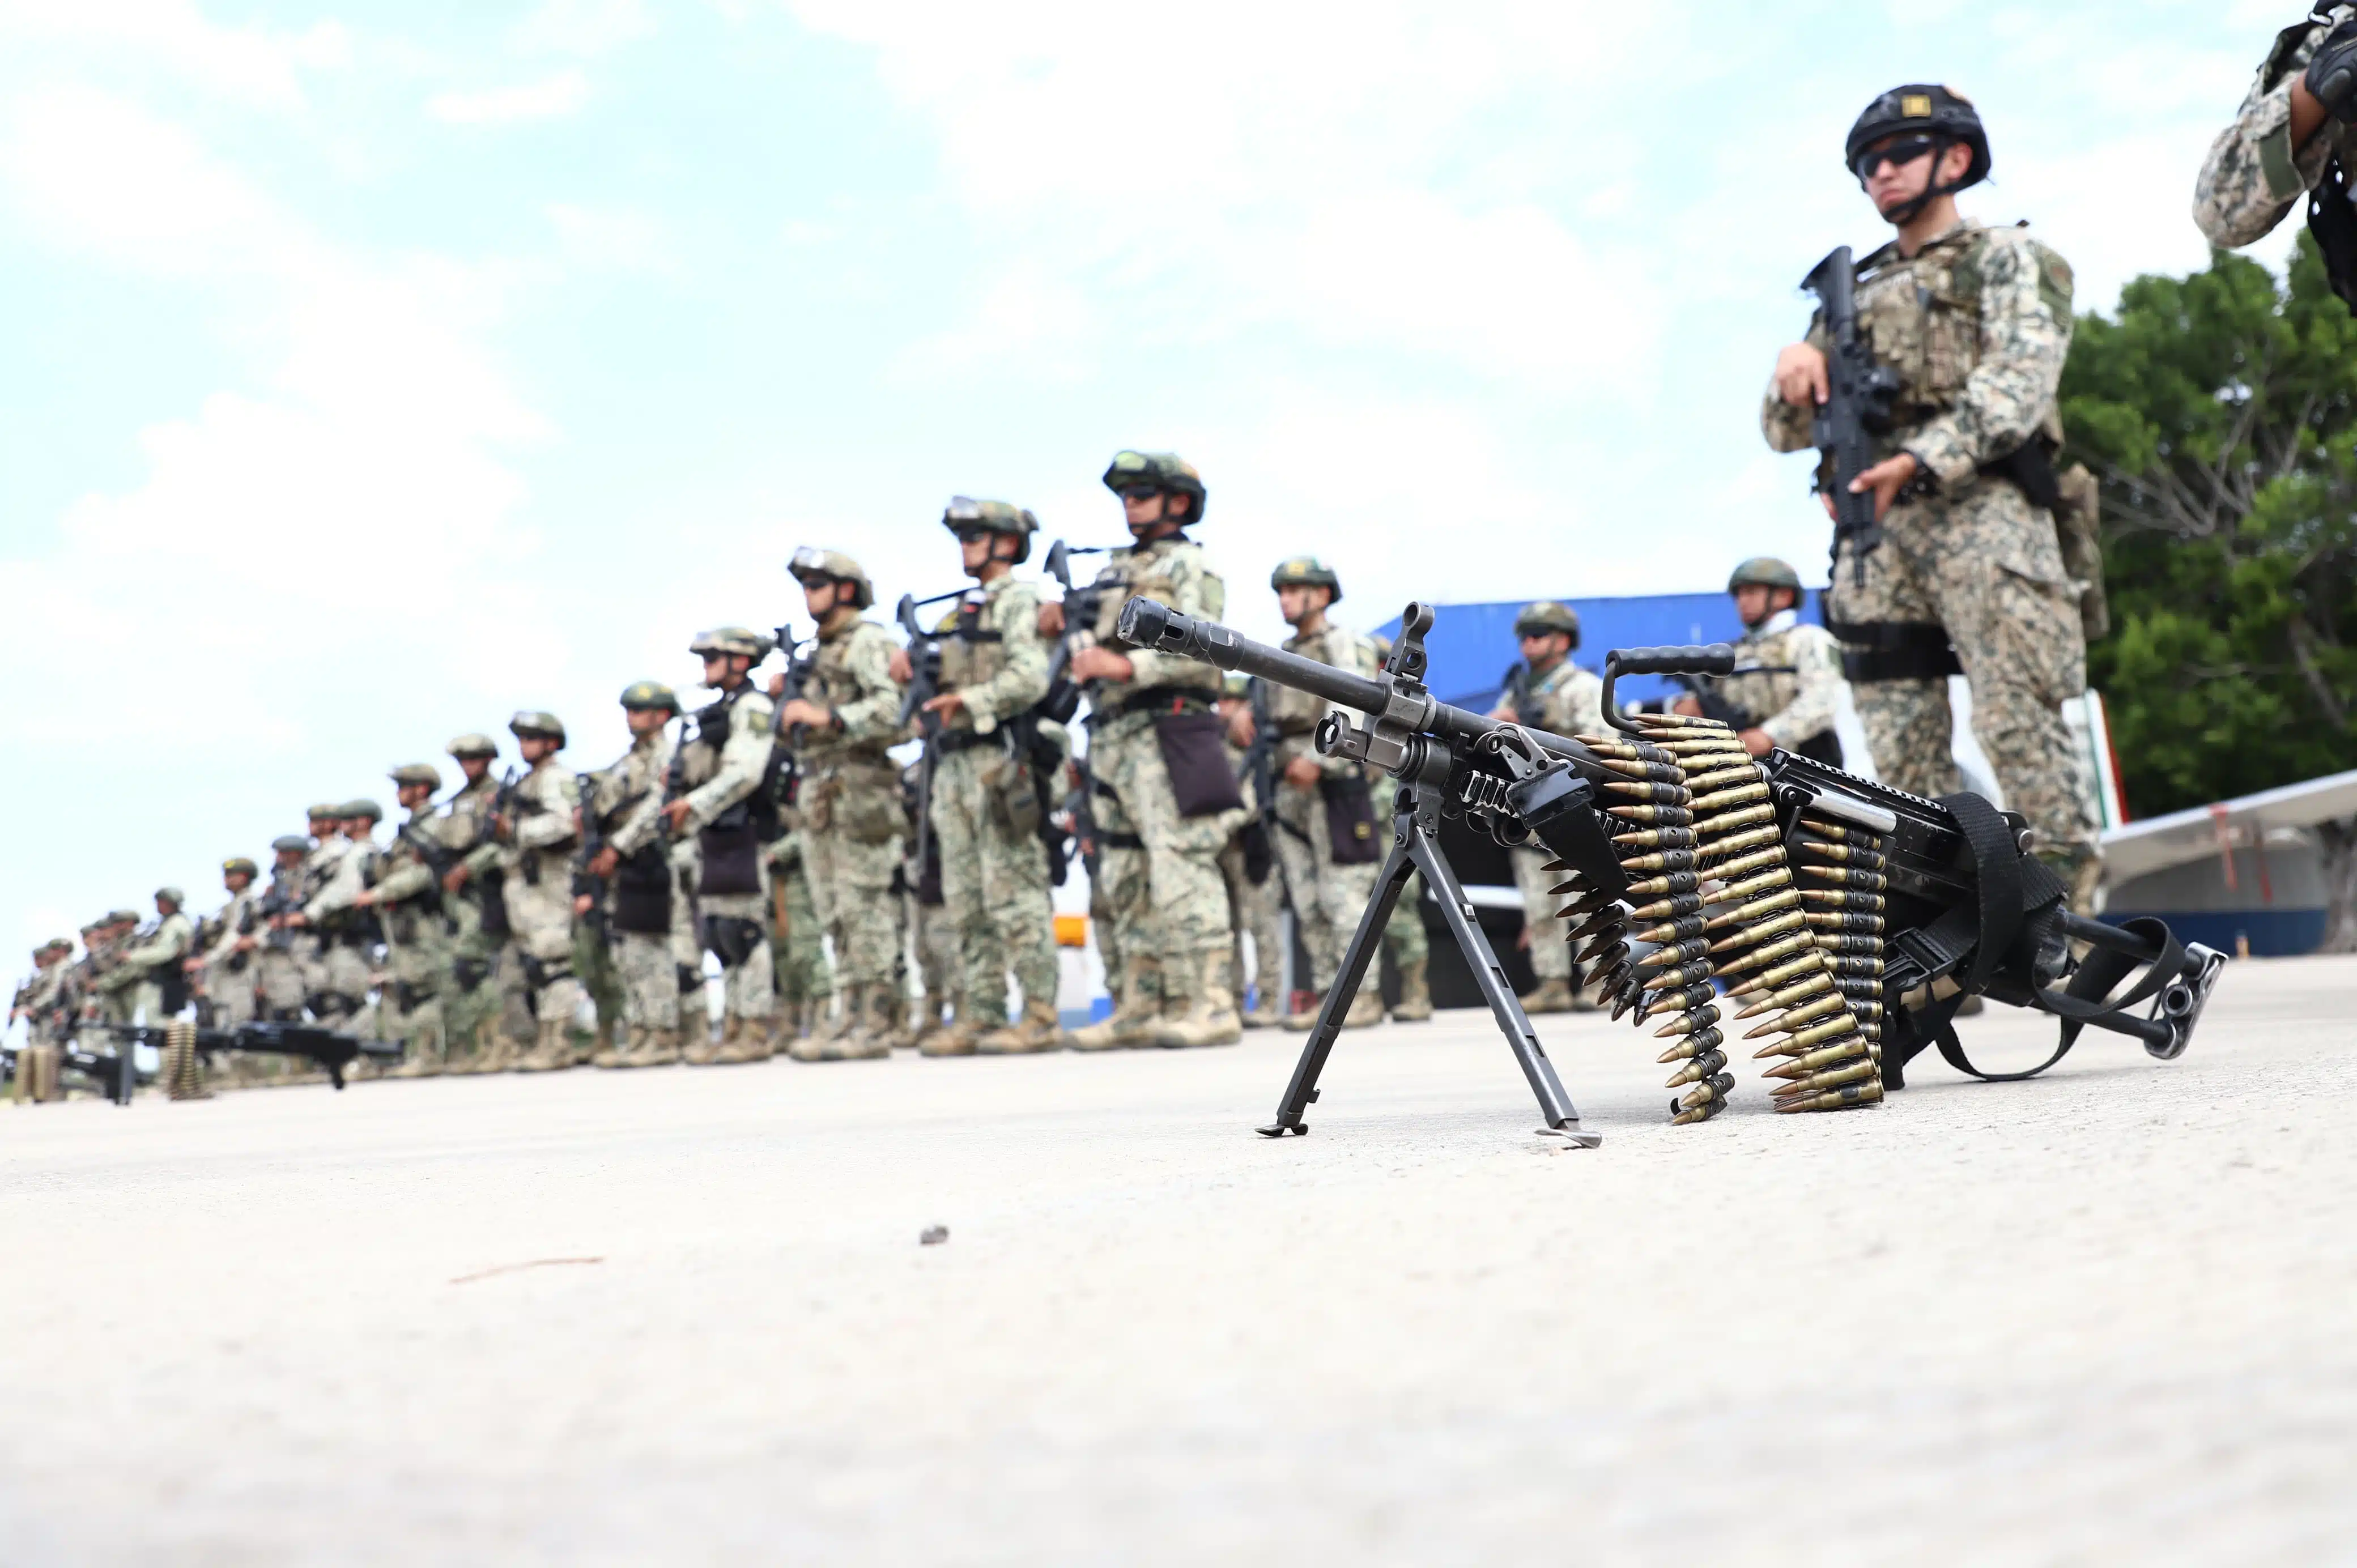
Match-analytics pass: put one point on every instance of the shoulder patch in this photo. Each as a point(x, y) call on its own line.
point(2054, 280)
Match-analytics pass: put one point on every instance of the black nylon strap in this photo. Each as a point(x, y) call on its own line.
point(1997, 889)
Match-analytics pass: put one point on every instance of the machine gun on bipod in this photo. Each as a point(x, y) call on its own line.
point(1850, 917)
point(324, 1048)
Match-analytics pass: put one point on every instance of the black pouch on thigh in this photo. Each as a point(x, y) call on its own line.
point(731, 938)
point(731, 860)
point(1349, 820)
point(642, 894)
point(1194, 749)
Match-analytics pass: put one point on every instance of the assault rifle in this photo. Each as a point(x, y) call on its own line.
point(924, 685)
point(800, 660)
point(1856, 408)
point(1081, 607)
point(1967, 909)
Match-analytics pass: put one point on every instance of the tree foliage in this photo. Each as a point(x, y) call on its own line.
point(2219, 412)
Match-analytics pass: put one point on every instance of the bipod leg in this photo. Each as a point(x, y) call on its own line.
point(1562, 1118)
point(1364, 943)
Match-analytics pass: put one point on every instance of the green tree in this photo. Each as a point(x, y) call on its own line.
point(2219, 412)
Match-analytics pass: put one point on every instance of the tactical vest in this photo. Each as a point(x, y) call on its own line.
point(1921, 316)
point(1144, 574)
point(758, 811)
point(969, 655)
point(1298, 713)
point(832, 685)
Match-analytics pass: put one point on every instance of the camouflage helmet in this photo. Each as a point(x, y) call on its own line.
point(1541, 617)
point(999, 517)
point(533, 721)
point(1307, 572)
point(57, 944)
point(472, 745)
point(836, 567)
point(171, 896)
point(1767, 572)
point(1164, 471)
point(640, 696)
point(753, 644)
point(238, 863)
point(1928, 109)
point(417, 773)
point(362, 807)
point(327, 812)
point(124, 917)
point(290, 844)
point(1235, 683)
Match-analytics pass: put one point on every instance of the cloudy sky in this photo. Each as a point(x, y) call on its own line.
point(375, 370)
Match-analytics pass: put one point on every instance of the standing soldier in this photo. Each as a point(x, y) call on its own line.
point(632, 863)
point(223, 973)
point(1327, 839)
point(1248, 866)
point(1973, 323)
point(849, 810)
point(279, 972)
point(329, 847)
point(1549, 693)
point(536, 834)
point(46, 1004)
point(987, 794)
point(485, 1000)
point(346, 931)
point(726, 797)
point(1165, 802)
point(798, 965)
point(146, 973)
point(2299, 119)
point(406, 896)
point(1792, 670)
point(593, 934)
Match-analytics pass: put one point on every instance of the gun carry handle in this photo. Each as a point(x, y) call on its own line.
point(1718, 659)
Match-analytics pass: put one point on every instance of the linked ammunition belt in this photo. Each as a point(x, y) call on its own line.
point(1895, 651)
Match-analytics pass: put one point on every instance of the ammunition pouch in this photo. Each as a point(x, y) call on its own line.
point(732, 859)
point(642, 893)
point(732, 938)
point(1350, 835)
point(691, 979)
point(1895, 651)
point(468, 973)
point(1194, 751)
point(1260, 854)
point(540, 973)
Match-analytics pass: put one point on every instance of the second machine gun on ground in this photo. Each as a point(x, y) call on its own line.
point(1673, 838)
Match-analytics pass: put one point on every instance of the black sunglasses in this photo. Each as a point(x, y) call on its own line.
point(1901, 152)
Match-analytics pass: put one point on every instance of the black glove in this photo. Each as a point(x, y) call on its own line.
point(2332, 76)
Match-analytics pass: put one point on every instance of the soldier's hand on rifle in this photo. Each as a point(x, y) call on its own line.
point(288, 922)
point(602, 863)
point(1241, 729)
point(800, 711)
point(365, 898)
point(776, 687)
point(675, 812)
point(581, 903)
point(1884, 480)
point(1303, 773)
point(454, 878)
point(1757, 742)
point(1051, 620)
point(245, 944)
point(948, 705)
point(900, 667)
point(1101, 664)
point(1800, 375)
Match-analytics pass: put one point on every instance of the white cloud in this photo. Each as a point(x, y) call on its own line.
point(550, 99)
point(252, 64)
point(613, 239)
point(582, 27)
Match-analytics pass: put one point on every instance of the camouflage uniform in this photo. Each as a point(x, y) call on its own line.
point(46, 1002)
point(1567, 700)
point(798, 965)
point(987, 796)
point(536, 860)
point(228, 972)
point(486, 1010)
point(279, 973)
point(643, 894)
point(413, 910)
point(2254, 176)
point(1975, 325)
point(848, 815)
point(1254, 909)
point(1161, 870)
point(727, 773)
point(336, 981)
point(1327, 895)
point(1795, 679)
point(145, 966)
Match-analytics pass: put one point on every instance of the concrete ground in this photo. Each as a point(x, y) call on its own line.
point(683, 1318)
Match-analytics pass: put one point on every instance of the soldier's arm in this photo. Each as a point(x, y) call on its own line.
point(874, 714)
point(407, 880)
point(1577, 706)
point(1810, 712)
point(1196, 590)
point(1022, 677)
point(742, 762)
point(642, 821)
point(2025, 335)
point(343, 886)
point(2256, 171)
point(552, 823)
point(1788, 428)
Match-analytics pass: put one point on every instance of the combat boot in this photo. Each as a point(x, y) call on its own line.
point(661, 1049)
point(500, 1052)
point(552, 1051)
point(1366, 1007)
point(1416, 995)
point(1211, 1016)
point(833, 1024)
point(1303, 1016)
point(634, 1040)
point(956, 1039)
point(1136, 1014)
point(887, 1014)
point(1264, 1014)
point(699, 1049)
point(926, 1020)
point(745, 1040)
point(1552, 996)
point(1036, 1030)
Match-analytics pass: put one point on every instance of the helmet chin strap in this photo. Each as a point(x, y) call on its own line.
point(1907, 211)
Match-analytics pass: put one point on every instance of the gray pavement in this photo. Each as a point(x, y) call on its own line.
point(684, 1317)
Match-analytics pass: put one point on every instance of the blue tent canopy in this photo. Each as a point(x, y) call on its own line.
point(1472, 647)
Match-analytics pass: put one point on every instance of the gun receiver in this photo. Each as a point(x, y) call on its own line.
point(1857, 407)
